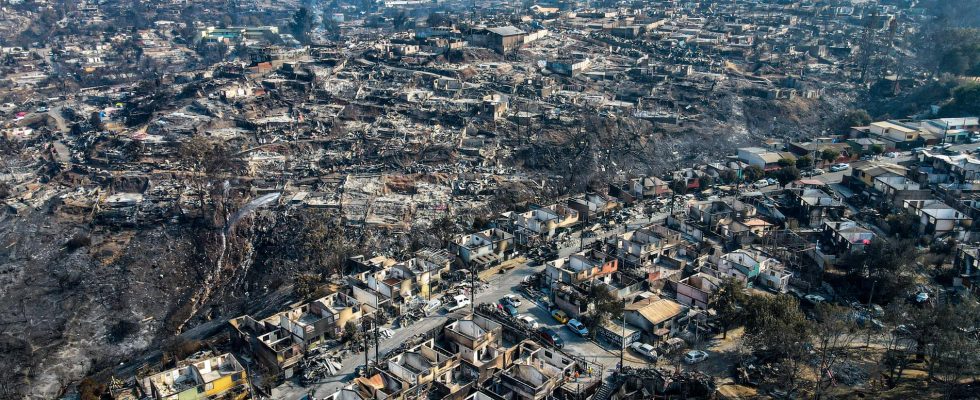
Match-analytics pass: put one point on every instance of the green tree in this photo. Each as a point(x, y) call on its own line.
point(852, 118)
point(306, 284)
point(753, 173)
point(877, 149)
point(785, 162)
point(605, 306)
point(729, 301)
point(728, 176)
point(966, 101)
point(829, 155)
point(787, 175)
point(804, 163)
point(351, 333)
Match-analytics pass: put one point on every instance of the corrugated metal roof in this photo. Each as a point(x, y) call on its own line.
point(508, 30)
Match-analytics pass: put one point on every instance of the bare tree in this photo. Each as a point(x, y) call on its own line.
point(831, 340)
point(209, 161)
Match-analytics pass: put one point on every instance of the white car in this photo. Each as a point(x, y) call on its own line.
point(761, 183)
point(695, 356)
point(528, 321)
point(459, 301)
point(839, 167)
point(644, 350)
point(514, 299)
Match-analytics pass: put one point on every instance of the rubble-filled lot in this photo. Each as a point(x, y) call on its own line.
point(167, 166)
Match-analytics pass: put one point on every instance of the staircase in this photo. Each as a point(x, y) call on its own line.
point(605, 392)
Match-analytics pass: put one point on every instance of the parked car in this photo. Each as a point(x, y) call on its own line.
point(528, 321)
point(459, 301)
point(559, 316)
point(818, 171)
point(891, 154)
point(513, 299)
point(509, 309)
point(432, 306)
point(695, 356)
point(551, 337)
point(761, 183)
point(839, 167)
point(645, 350)
point(577, 327)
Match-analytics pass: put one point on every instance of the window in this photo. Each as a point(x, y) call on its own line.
point(236, 377)
point(209, 386)
point(547, 354)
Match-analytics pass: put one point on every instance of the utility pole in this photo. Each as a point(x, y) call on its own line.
point(622, 342)
point(945, 131)
point(867, 341)
point(377, 360)
point(367, 347)
point(472, 288)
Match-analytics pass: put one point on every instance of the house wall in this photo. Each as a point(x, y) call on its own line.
point(691, 296)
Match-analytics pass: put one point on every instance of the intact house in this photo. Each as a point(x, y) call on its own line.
point(952, 130)
point(762, 158)
point(655, 317)
point(211, 378)
point(896, 134)
point(280, 341)
point(863, 173)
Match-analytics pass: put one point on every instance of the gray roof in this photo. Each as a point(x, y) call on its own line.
point(508, 30)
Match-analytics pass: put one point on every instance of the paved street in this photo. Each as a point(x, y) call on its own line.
point(499, 285)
